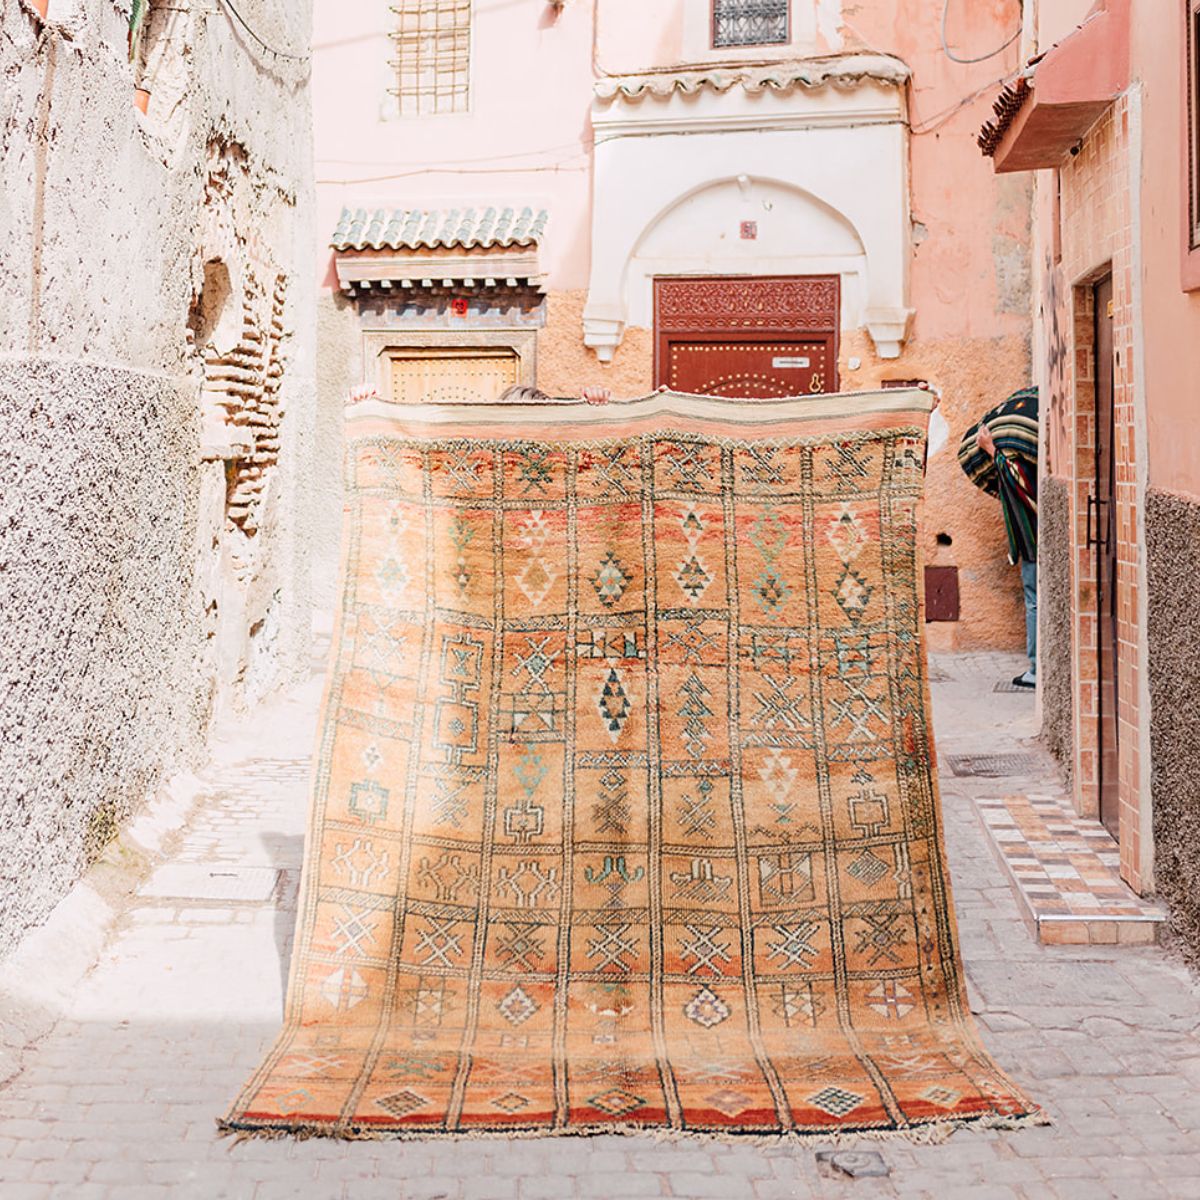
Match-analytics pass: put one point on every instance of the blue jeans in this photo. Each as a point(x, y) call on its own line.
point(1029, 584)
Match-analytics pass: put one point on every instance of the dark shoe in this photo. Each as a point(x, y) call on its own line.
point(1025, 683)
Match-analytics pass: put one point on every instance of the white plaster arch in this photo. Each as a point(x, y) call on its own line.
point(840, 151)
point(699, 233)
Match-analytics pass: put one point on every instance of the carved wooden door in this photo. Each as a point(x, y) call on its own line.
point(451, 374)
point(753, 336)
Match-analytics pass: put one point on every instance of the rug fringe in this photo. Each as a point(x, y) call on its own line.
point(926, 1133)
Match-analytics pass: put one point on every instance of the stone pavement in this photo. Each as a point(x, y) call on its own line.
point(117, 1101)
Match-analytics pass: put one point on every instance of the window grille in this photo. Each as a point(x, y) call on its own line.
point(750, 22)
point(433, 56)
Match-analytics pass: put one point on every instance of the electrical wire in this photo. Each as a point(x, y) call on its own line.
point(233, 13)
point(563, 168)
point(978, 59)
point(929, 124)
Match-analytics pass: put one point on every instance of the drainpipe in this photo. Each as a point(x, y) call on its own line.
point(41, 151)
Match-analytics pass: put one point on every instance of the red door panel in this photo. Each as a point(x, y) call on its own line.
point(747, 336)
point(735, 369)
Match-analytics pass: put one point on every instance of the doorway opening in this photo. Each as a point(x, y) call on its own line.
point(1102, 541)
point(747, 336)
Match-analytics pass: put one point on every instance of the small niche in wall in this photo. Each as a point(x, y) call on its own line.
point(213, 318)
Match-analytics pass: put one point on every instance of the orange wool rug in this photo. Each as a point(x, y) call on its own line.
point(625, 814)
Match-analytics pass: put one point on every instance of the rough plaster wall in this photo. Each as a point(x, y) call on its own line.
point(114, 535)
point(1011, 243)
point(1173, 577)
point(566, 365)
point(95, 582)
point(1054, 614)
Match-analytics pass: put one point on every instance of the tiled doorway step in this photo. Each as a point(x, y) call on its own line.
point(1065, 872)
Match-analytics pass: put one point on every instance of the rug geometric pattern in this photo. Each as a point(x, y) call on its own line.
point(624, 813)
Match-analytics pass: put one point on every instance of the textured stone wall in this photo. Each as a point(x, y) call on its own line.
point(96, 563)
point(1173, 579)
point(339, 369)
point(156, 409)
point(1055, 549)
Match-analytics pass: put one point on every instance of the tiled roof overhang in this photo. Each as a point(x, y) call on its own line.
point(844, 71)
point(1061, 95)
point(433, 228)
point(1008, 104)
point(439, 250)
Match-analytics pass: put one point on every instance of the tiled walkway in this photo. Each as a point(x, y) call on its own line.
point(118, 1101)
point(1066, 872)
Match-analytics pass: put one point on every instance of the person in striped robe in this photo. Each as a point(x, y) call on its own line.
point(1000, 456)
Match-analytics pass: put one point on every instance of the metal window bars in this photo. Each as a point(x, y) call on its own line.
point(433, 56)
point(750, 22)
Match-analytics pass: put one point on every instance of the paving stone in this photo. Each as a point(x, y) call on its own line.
point(701, 1187)
point(675, 1159)
point(600, 1184)
point(548, 1187)
point(61, 1171)
point(502, 1189)
point(779, 1189)
point(1081, 1189)
point(440, 1188)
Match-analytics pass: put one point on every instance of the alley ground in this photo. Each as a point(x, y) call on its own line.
point(117, 1101)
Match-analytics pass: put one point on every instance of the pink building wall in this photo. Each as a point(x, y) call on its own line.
point(529, 131)
point(1171, 316)
point(1114, 204)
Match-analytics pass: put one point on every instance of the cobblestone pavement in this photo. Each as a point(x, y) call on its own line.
point(118, 1101)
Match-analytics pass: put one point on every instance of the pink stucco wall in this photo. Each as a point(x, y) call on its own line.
point(1171, 324)
point(529, 134)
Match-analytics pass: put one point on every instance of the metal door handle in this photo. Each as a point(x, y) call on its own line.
point(1095, 539)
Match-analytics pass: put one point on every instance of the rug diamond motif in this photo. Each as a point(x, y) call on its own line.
point(617, 1103)
point(517, 1007)
point(611, 580)
point(837, 1102)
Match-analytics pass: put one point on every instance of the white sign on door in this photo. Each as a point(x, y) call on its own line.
point(786, 363)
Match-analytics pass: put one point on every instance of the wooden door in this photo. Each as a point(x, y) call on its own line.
point(451, 374)
point(1102, 528)
point(747, 336)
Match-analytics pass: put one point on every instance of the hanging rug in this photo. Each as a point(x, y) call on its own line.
point(625, 812)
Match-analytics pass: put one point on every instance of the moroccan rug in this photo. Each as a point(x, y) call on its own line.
point(625, 813)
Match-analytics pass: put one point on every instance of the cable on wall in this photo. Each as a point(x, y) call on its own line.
point(953, 57)
point(231, 10)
